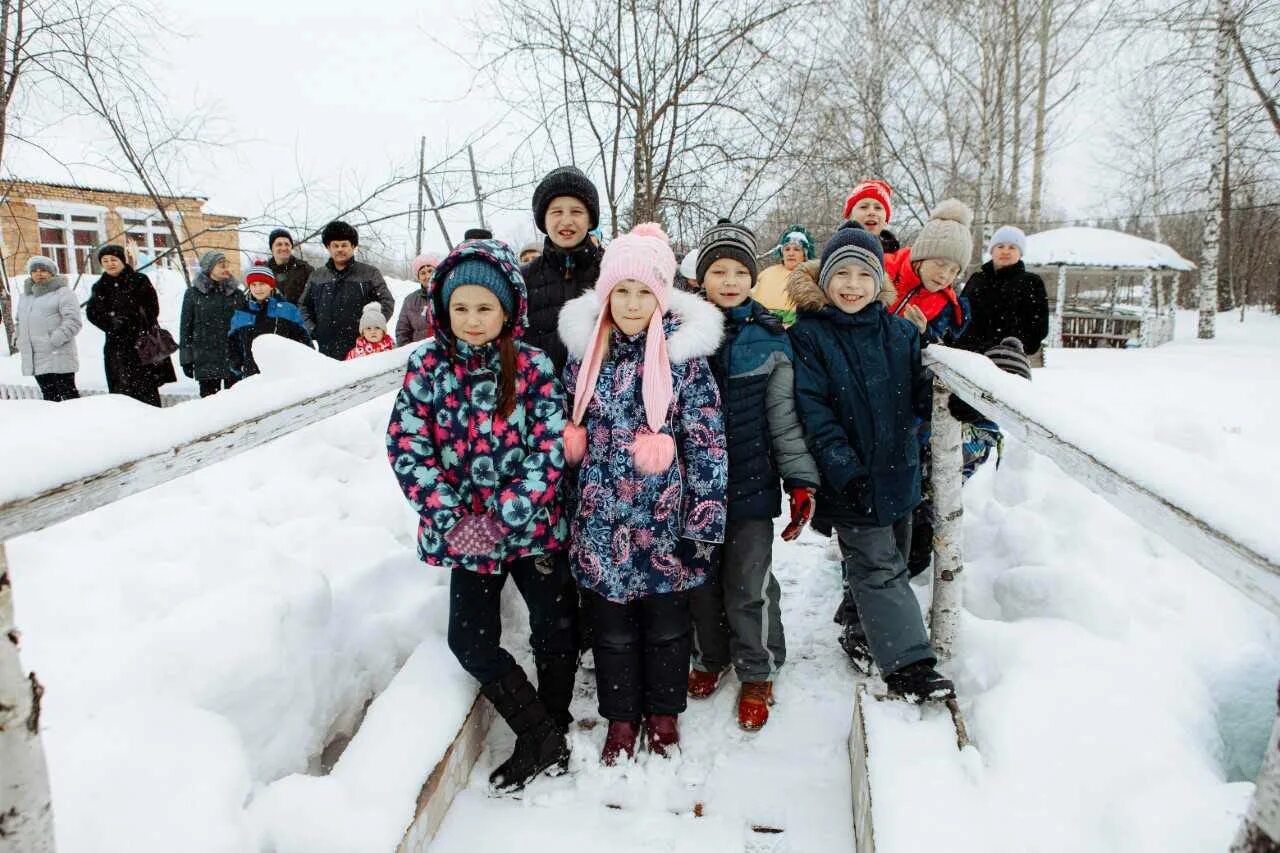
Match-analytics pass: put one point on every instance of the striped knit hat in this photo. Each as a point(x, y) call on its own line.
point(727, 239)
point(852, 244)
point(260, 273)
point(1009, 356)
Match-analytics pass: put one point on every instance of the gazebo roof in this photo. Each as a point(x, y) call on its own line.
point(1100, 248)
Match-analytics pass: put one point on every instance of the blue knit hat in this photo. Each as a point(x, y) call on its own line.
point(1010, 234)
point(852, 244)
point(481, 273)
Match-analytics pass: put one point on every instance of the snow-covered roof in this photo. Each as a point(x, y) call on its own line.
point(1100, 248)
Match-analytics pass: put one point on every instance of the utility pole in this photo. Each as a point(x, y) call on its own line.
point(435, 208)
point(422, 162)
point(475, 183)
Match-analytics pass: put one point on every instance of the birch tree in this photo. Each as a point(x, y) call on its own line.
point(1219, 120)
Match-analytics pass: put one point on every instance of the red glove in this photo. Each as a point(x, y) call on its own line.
point(474, 535)
point(801, 512)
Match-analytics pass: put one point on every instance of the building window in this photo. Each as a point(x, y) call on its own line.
point(149, 237)
point(69, 240)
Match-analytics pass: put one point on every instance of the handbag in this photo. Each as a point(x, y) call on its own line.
point(155, 344)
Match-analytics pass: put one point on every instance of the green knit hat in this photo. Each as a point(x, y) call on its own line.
point(797, 234)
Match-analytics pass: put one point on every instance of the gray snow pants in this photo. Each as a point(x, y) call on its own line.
point(737, 614)
point(877, 584)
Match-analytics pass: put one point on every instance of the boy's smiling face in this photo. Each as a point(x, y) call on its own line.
point(727, 283)
point(852, 288)
point(870, 214)
point(567, 221)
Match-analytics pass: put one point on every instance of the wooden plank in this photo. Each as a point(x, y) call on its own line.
point(76, 497)
point(1237, 564)
point(864, 834)
point(447, 779)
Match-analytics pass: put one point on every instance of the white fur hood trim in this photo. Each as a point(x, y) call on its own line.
point(701, 326)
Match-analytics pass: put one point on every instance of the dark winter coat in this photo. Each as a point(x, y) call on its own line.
point(124, 308)
point(204, 347)
point(291, 277)
point(414, 322)
point(1006, 303)
point(860, 386)
point(627, 525)
point(453, 454)
point(334, 300)
point(275, 316)
point(555, 277)
point(753, 369)
point(48, 322)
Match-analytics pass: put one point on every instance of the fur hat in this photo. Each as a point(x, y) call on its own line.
point(946, 235)
point(40, 262)
point(872, 188)
point(727, 239)
point(570, 181)
point(1010, 235)
point(372, 317)
point(339, 230)
point(477, 234)
point(427, 260)
point(851, 244)
point(644, 255)
point(114, 250)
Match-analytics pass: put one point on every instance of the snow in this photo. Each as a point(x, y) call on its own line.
point(203, 641)
point(1100, 247)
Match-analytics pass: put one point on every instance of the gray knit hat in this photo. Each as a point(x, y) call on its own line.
point(210, 259)
point(727, 239)
point(1010, 357)
point(946, 235)
point(372, 317)
point(40, 262)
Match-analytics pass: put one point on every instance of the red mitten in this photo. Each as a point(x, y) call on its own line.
point(801, 512)
point(474, 535)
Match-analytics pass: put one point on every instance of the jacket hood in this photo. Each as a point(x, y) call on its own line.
point(33, 289)
point(494, 252)
point(695, 327)
point(802, 287)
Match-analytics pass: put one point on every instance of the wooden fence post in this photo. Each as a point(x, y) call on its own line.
point(26, 811)
point(948, 521)
point(1260, 832)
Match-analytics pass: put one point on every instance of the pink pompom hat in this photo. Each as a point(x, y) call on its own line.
point(644, 255)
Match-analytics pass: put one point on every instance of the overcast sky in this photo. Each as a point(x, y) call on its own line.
point(341, 93)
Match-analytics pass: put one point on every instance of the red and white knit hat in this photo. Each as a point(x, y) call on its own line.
point(872, 188)
point(260, 273)
point(644, 255)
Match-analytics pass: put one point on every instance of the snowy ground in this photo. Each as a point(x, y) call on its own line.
point(201, 642)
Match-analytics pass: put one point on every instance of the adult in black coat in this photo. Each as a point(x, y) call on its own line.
point(566, 207)
point(291, 272)
point(1005, 300)
point(123, 304)
point(337, 292)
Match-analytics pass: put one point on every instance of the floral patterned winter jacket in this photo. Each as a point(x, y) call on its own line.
point(627, 526)
point(453, 454)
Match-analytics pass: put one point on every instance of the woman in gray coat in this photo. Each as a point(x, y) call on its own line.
point(48, 322)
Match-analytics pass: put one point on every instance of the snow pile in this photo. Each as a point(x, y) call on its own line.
point(1100, 247)
point(170, 288)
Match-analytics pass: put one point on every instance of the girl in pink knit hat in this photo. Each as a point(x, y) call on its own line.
point(647, 430)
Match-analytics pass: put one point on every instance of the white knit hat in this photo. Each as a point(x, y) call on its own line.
point(372, 317)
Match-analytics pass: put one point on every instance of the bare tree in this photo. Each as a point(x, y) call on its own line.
point(1219, 119)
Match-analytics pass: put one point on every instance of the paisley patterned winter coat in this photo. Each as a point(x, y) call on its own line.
point(453, 454)
point(627, 526)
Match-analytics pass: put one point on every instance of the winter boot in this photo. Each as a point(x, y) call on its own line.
point(540, 745)
point(661, 733)
point(854, 642)
point(753, 704)
point(919, 682)
point(703, 684)
point(620, 739)
point(556, 676)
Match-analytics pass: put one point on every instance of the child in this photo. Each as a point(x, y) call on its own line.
point(927, 272)
point(737, 616)
point(870, 205)
point(264, 312)
point(1008, 301)
point(373, 333)
point(412, 324)
point(48, 322)
point(795, 246)
point(647, 431)
point(203, 349)
point(475, 440)
point(859, 387)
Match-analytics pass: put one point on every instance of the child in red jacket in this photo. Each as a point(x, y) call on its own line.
point(926, 273)
point(373, 333)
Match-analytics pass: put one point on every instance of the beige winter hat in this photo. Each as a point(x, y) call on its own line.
point(946, 235)
point(373, 318)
